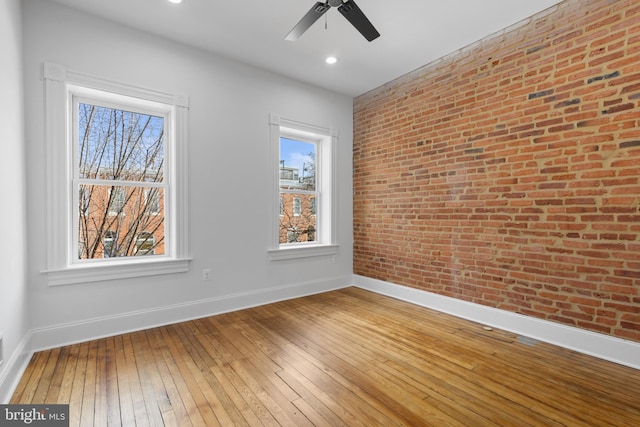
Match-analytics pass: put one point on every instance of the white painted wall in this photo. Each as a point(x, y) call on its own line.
point(229, 140)
point(14, 323)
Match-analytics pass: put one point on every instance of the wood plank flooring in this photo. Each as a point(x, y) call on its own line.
point(343, 358)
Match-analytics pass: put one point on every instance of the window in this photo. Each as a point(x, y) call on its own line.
point(297, 206)
point(83, 201)
point(116, 174)
point(118, 166)
point(303, 186)
point(109, 245)
point(297, 183)
point(115, 200)
point(152, 201)
point(145, 244)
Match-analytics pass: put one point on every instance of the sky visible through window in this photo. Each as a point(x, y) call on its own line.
point(296, 154)
point(119, 141)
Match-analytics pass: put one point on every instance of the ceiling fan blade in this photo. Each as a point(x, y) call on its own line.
point(307, 21)
point(352, 12)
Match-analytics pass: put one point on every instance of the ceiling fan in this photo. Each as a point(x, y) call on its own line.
point(349, 9)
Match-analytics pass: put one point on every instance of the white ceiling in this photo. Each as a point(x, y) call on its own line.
point(413, 33)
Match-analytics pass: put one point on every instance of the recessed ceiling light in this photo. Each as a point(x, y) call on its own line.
point(175, 1)
point(331, 60)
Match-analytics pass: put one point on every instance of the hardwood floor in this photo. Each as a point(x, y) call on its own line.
point(348, 357)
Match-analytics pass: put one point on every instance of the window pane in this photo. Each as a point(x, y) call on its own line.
point(116, 200)
point(297, 165)
point(112, 219)
point(122, 145)
point(152, 200)
point(110, 244)
point(297, 222)
point(145, 244)
point(297, 206)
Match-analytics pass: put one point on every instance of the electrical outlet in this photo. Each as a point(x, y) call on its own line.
point(206, 274)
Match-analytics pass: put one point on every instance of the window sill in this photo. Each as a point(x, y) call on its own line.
point(87, 273)
point(302, 252)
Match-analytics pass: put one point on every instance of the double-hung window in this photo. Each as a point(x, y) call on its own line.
point(116, 159)
point(302, 161)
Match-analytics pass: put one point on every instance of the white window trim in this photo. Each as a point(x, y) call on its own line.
point(60, 270)
point(327, 239)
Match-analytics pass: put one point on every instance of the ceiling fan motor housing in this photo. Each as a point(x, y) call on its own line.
point(348, 9)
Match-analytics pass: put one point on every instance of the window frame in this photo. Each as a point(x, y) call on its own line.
point(61, 86)
point(325, 139)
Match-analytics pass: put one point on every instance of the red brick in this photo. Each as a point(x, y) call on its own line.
point(519, 176)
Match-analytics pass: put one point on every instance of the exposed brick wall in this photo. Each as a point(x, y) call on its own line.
point(508, 173)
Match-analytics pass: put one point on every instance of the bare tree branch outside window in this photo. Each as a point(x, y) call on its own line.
point(120, 175)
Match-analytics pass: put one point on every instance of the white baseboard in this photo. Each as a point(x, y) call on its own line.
point(623, 352)
point(90, 329)
point(13, 369)
point(616, 350)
